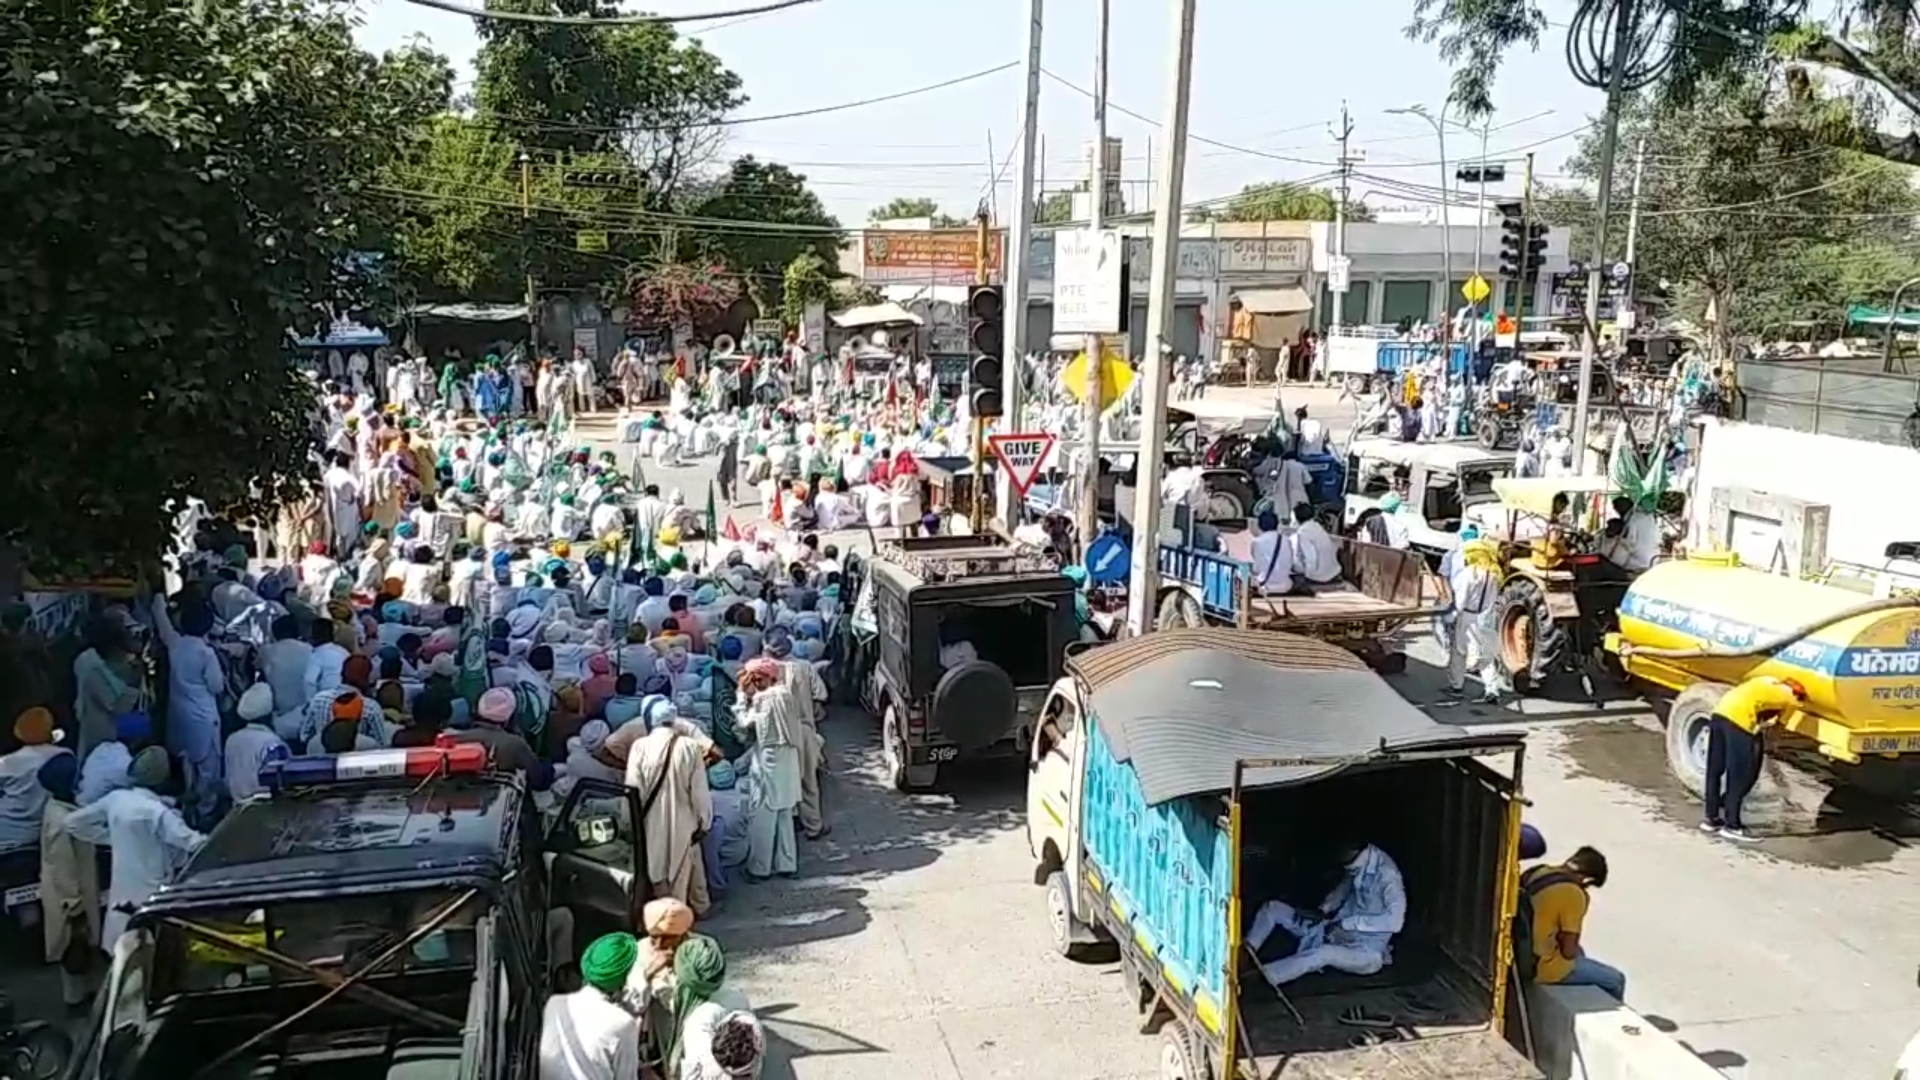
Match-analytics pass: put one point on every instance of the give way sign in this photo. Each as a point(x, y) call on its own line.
point(1021, 455)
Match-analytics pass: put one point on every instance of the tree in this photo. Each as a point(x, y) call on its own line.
point(915, 208)
point(1282, 201)
point(1875, 48)
point(759, 218)
point(666, 294)
point(807, 280)
point(1766, 223)
point(184, 180)
point(1054, 209)
point(641, 89)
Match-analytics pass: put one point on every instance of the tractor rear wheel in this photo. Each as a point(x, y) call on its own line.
point(1530, 646)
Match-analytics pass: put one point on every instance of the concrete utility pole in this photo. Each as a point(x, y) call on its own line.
point(1143, 591)
point(533, 296)
point(1087, 519)
point(1018, 263)
point(1633, 217)
point(1340, 221)
point(1623, 24)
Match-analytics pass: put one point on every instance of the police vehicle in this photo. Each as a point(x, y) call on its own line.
point(389, 913)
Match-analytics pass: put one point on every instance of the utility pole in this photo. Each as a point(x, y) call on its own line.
point(1018, 262)
point(1633, 217)
point(1143, 592)
point(1087, 518)
point(1480, 243)
point(1341, 278)
point(1623, 25)
point(533, 296)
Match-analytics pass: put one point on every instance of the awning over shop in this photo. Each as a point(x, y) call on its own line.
point(888, 314)
point(1287, 300)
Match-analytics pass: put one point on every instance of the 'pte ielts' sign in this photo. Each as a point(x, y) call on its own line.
point(1021, 455)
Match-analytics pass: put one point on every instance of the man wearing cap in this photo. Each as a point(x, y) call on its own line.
point(253, 745)
point(22, 799)
point(148, 838)
point(1736, 748)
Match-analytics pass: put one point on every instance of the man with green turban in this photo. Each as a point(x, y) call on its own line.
point(704, 1004)
point(594, 1032)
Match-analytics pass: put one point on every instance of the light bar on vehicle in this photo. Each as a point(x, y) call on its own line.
point(445, 758)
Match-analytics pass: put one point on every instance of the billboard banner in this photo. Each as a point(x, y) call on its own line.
point(927, 256)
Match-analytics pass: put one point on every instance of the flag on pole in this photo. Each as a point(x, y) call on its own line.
point(709, 523)
point(730, 531)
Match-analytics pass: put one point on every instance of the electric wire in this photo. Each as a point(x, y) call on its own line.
point(606, 20)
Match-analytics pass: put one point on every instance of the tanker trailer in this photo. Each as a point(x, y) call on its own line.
point(1697, 626)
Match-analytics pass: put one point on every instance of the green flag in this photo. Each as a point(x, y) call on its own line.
point(712, 529)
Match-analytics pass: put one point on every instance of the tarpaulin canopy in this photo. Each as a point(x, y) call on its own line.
point(1866, 316)
point(471, 312)
point(1184, 709)
point(1287, 300)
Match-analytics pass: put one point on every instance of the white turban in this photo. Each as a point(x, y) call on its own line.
point(256, 703)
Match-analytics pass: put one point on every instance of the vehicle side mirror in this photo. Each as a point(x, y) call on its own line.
point(1904, 549)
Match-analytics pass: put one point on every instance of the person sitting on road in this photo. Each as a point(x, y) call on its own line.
point(1352, 930)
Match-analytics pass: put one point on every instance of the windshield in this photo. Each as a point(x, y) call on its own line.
point(341, 935)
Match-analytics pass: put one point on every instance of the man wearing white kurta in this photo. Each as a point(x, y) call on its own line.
point(773, 718)
point(669, 770)
point(1352, 930)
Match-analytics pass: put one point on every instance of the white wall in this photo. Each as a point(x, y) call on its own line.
point(1868, 485)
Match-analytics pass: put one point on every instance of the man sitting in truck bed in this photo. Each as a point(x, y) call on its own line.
point(1352, 930)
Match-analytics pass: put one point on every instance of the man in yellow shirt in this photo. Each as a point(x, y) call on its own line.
point(1735, 748)
point(1555, 899)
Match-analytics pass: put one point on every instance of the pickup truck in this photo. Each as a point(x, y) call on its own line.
point(1380, 590)
point(1172, 792)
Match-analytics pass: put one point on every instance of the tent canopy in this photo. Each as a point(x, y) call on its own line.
point(887, 314)
point(1286, 300)
point(1866, 316)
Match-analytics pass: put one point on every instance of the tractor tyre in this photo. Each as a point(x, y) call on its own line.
point(1530, 647)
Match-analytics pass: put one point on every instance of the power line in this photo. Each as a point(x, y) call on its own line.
point(605, 20)
point(500, 122)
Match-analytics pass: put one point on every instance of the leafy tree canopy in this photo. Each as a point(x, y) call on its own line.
point(1874, 44)
point(183, 182)
point(915, 208)
point(1769, 223)
point(779, 218)
point(1054, 209)
point(1281, 201)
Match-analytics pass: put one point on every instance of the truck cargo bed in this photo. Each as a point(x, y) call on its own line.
point(1442, 1037)
point(1378, 588)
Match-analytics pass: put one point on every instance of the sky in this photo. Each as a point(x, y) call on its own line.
point(1269, 80)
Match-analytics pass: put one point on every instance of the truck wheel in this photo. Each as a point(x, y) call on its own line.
point(1486, 431)
point(1178, 611)
point(1531, 646)
point(1686, 737)
point(1230, 498)
point(1180, 1055)
point(893, 743)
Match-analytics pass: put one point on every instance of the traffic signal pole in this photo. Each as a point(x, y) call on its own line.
point(1623, 27)
point(982, 275)
point(1087, 518)
point(1018, 257)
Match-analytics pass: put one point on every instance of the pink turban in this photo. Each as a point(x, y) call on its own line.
point(496, 705)
point(666, 917)
point(597, 664)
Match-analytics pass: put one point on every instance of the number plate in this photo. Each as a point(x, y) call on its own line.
point(1886, 744)
point(939, 754)
point(22, 895)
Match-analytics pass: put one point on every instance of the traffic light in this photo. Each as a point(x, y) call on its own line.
point(986, 333)
point(1535, 251)
point(1513, 246)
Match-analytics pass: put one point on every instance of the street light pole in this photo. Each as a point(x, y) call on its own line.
point(1446, 223)
point(1144, 588)
point(1087, 521)
point(1018, 258)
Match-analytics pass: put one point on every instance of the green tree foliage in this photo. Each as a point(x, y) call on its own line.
point(1054, 209)
point(808, 279)
point(1281, 202)
point(915, 208)
point(758, 218)
point(1873, 44)
point(182, 182)
point(1768, 223)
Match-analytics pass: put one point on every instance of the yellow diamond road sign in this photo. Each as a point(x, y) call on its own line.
point(1475, 289)
point(1115, 376)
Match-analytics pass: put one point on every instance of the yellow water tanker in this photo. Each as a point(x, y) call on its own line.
point(1859, 662)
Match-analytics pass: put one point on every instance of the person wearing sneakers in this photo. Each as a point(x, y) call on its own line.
point(1736, 748)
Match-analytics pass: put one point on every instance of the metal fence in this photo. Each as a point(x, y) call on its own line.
point(1851, 398)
